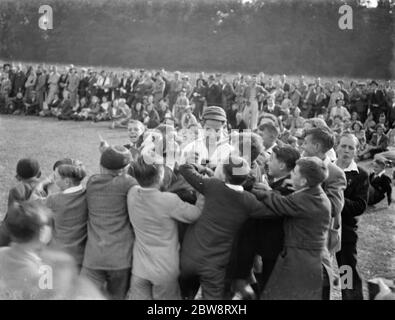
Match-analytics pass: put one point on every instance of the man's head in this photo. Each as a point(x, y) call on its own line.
point(214, 121)
point(28, 222)
point(309, 172)
point(317, 142)
point(28, 168)
point(147, 172)
point(135, 130)
point(236, 170)
point(380, 129)
point(378, 165)
point(269, 133)
point(347, 148)
point(282, 161)
point(115, 159)
point(339, 102)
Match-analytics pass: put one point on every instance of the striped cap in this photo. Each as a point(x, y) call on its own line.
point(214, 113)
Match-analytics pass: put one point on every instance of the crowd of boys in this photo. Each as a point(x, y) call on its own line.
point(189, 209)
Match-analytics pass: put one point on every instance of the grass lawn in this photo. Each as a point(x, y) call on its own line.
point(48, 140)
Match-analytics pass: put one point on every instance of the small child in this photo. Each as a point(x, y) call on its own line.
point(208, 242)
point(154, 215)
point(380, 183)
point(28, 174)
point(108, 251)
point(70, 211)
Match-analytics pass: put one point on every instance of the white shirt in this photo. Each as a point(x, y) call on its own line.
point(352, 167)
point(73, 189)
point(221, 152)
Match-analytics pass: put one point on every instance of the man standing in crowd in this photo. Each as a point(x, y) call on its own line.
point(41, 85)
point(355, 202)
point(213, 147)
point(214, 92)
point(73, 81)
point(265, 237)
point(53, 80)
point(317, 143)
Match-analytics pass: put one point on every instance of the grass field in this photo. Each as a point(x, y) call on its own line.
point(48, 140)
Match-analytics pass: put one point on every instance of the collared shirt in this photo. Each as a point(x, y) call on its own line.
point(235, 187)
point(352, 167)
point(380, 174)
point(221, 152)
point(73, 189)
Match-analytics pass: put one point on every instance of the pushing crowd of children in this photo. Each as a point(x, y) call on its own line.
point(209, 215)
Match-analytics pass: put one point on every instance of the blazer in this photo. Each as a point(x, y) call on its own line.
point(297, 274)
point(381, 144)
point(355, 203)
point(259, 236)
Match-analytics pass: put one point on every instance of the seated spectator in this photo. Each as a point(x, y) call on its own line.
point(17, 105)
point(340, 110)
point(120, 114)
point(163, 109)
point(32, 104)
point(152, 119)
point(377, 144)
point(337, 125)
point(82, 112)
point(65, 107)
point(138, 112)
point(380, 184)
point(357, 130)
point(51, 109)
point(179, 107)
point(383, 122)
point(188, 118)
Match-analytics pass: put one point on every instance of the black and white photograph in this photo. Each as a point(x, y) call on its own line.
point(197, 150)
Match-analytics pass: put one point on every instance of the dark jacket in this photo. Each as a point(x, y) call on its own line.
point(298, 271)
point(382, 144)
point(264, 237)
point(355, 202)
point(208, 242)
point(214, 95)
point(379, 187)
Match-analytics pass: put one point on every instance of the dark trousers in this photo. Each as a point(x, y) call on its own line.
point(211, 279)
point(116, 282)
point(348, 256)
point(326, 287)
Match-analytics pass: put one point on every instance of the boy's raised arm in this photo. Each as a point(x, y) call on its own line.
point(185, 212)
point(193, 177)
point(274, 204)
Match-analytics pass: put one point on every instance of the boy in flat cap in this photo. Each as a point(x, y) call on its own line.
point(108, 252)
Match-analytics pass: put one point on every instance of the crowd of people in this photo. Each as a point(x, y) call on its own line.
point(240, 188)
